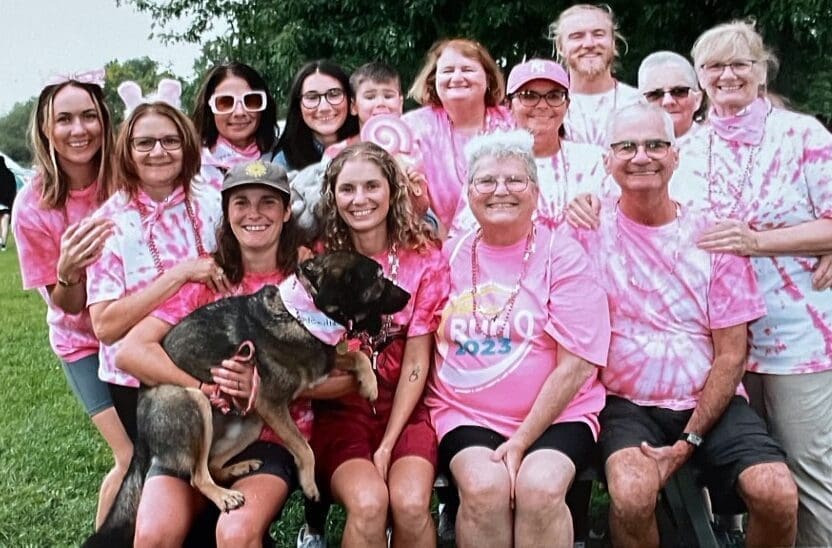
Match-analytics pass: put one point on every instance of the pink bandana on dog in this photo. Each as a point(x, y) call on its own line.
point(299, 304)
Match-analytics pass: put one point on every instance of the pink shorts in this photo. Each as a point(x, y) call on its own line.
point(347, 429)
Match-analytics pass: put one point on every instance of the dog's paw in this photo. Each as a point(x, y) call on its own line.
point(240, 469)
point(310, 489)
point(369, 389)
point(231, 500)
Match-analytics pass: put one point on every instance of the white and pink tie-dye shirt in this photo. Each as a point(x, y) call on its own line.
point(789, 183)
point(195, 295)
point(494, 381)
point(561, 178)
point(127, 265)
point(223, 156)
point(666, 296)
point(37, 234)
point(444, 164)
point(587, 115)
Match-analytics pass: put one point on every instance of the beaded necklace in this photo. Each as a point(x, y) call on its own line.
point(151, 241)
point(562, 189)
point(480, 326)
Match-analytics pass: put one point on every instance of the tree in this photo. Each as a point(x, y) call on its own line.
point(277, 36)
point(14, 128)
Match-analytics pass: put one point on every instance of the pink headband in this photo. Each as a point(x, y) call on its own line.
point(95, 76)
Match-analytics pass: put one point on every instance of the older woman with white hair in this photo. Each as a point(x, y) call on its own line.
point(514, 396)
point(669, 80)
point(768, 173)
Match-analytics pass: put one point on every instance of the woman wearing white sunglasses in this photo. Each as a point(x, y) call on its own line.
point(235, 116)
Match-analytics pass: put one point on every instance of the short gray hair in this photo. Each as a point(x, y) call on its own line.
point(516, 143)
point(666, 58)
point(640, 108)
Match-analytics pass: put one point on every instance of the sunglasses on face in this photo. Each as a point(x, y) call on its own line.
point(677, 92)
point(655, 149)
point(531, 99)
point(488, 185)
point(225, 103)
point(333, 96)
point(146, 144)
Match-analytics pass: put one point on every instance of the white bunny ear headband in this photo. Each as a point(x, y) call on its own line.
point(168, 91)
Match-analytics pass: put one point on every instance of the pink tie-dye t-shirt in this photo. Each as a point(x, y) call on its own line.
point(217, 161)
point(561, 178)
point(494, 381)
point(666, 297)
point(444, 164)
point(127, 266)
point(789, 183)
point(37, 234)
point(587, 115)
point(195, 295)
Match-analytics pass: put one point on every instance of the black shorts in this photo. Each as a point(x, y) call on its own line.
point(276, 461)
point(738, 440)
point(573, 439)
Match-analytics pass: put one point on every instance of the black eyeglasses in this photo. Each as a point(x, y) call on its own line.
point(146, 144)
point(488, 184)
point(531, 99)
point(225, 103)
point(653, 148)
point(333, 96)
point(677, 92)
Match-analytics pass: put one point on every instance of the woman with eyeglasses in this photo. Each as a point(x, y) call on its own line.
point(319, 114)
point(57, 238)
point(461, 89)
point(514, 396)
point(236, 119)
point(163, 227)
point(768, 176)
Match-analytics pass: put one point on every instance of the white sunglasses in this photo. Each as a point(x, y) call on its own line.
point(225, 103)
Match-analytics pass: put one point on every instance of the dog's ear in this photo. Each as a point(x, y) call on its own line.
point(393, 298)
point(311, 269)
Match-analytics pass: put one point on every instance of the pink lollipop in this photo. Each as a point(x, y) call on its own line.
point(390, 133)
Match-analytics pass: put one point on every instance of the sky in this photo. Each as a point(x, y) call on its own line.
point(40, 38)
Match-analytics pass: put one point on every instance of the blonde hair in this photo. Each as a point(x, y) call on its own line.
point(403, 228)
point(191, 154)
point(423, 90)
point(735, 40)
point(555, 30)
point(54, 189)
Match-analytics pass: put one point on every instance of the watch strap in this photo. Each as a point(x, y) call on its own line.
point(692, 438)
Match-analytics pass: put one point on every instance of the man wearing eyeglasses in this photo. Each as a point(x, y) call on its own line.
point(678, 350)
point(585, 37)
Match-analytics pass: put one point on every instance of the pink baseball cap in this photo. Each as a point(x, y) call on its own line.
point(536, 69)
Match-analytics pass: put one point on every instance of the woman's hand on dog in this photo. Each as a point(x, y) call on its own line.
point(235, 378)
point(204, 270)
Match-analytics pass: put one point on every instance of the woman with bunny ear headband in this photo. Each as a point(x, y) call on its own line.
point(164, 223)
point(57, 238)
point(236, 119)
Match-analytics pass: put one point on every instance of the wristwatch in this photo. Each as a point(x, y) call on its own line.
point(692, 438)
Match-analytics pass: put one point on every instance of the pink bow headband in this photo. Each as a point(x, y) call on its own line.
point(95, 76)
point(168, 91)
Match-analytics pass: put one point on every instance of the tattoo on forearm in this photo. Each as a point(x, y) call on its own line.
point(414, 375)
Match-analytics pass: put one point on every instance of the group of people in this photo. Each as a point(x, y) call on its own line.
point(600, 266)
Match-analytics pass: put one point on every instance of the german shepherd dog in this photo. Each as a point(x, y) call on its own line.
point(178, 430)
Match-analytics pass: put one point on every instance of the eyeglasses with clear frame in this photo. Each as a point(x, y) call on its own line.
point(146, 144)
point(655, 149)
point(739, 68)
point(225, 103)
point(488, 184)
point(677, 92)
point(531, 99)
point(333, 96)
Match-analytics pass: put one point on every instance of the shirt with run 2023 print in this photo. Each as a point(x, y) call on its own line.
point(195, 295)
point(666, 298)
point(587, 116)
point(127, 266)
point(789, 182)
point(37, 234)
point(493, 381)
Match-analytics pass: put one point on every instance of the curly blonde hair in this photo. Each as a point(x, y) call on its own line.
point(403, 229)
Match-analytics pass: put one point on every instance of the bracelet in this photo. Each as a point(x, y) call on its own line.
point(66, 283)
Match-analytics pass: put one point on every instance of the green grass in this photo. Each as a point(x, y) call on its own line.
point(52, 459)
